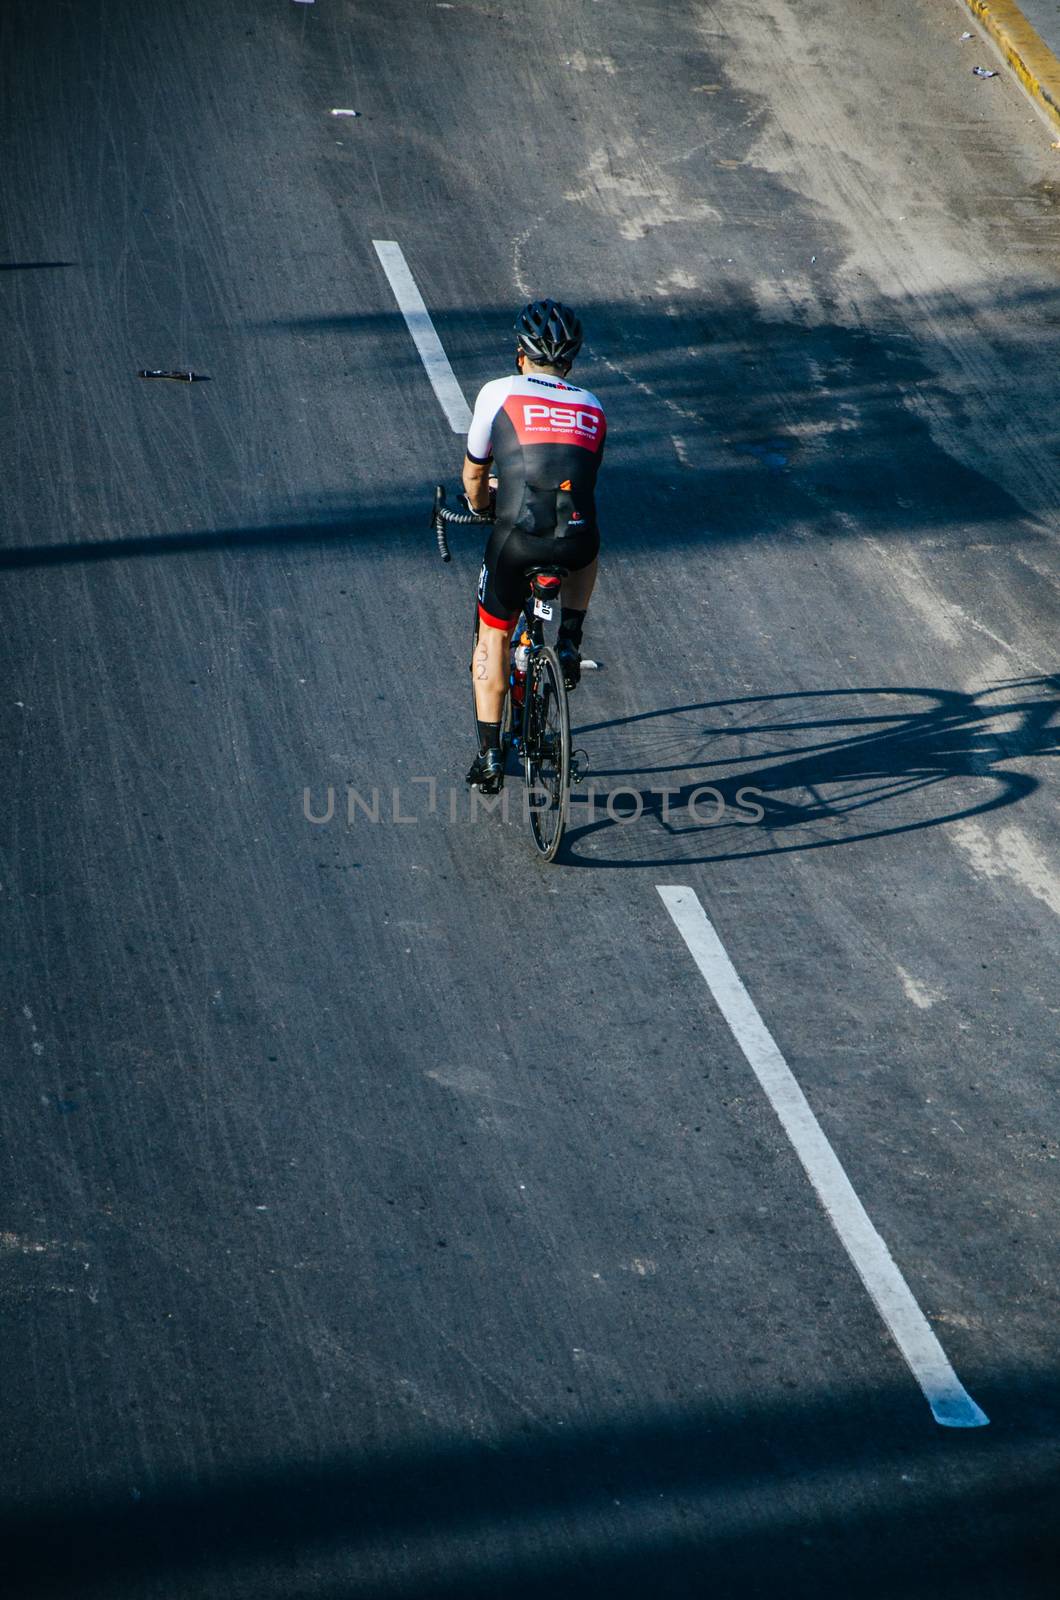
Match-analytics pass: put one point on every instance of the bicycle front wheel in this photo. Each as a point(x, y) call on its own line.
point(547, 752)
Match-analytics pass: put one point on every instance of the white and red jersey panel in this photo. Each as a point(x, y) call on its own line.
point(530, 411)
point(546, 439)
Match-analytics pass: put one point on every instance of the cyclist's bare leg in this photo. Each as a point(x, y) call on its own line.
point(489, 672)
point(578, 587)
point(490, 658)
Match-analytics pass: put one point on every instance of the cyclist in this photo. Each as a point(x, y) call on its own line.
point(544, 438)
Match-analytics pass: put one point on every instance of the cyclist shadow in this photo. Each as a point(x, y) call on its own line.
point(764, 774)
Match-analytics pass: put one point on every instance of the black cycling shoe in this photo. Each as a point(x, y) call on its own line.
point(571, 663)
point(487, 772)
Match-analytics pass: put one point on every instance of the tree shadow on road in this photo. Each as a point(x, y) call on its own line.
point(725, 419)
point(727, 426)
point(805, 1495)
point(280, 537)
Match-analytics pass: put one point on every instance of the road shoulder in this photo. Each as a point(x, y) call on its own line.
point(1026, 52)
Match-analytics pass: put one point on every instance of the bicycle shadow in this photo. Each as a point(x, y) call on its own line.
point(850, 765)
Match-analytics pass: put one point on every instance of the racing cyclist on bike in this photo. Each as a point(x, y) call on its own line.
point(544, 439)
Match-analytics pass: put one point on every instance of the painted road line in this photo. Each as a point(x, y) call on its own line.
point(424, 336)
point(951, 1404)
point(1024, 49)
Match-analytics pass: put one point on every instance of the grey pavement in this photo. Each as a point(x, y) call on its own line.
point(382, 1214)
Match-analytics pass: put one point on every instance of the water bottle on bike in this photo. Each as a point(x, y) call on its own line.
point(520, 658)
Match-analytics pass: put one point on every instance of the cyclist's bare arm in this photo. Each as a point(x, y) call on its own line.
point(476, 483)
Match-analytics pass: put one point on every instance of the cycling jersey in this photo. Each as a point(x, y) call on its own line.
point(546, 439)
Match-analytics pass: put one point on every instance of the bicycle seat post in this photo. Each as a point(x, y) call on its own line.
point(545, 585)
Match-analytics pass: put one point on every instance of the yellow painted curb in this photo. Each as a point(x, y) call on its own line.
point(1025, 51)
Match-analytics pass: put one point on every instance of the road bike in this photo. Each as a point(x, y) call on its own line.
point(535, 720)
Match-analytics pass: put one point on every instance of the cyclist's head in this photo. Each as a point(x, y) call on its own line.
point(550, 334)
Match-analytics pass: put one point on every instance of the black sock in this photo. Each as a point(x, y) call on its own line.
point(489, 736)
point(570, 625)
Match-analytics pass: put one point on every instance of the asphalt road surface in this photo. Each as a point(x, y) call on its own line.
point(382, 1213)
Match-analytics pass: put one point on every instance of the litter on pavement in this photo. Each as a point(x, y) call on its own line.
point(984, 72)
point(180, 377)
point(965, 36)
point(342, 111)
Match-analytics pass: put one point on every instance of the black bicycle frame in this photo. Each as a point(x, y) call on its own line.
point(547, 593)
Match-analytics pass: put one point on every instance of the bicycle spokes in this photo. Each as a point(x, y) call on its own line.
point(547, 753)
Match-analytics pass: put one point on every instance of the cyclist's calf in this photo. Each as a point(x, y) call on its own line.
point(489, 671)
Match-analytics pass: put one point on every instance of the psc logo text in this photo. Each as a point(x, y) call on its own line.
point(565, 418)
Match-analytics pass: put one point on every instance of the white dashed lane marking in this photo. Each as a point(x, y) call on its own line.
point(951, 1404)
point(424, 334)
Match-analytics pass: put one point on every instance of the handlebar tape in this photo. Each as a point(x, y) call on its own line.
point(441, 514)
point(438, 523)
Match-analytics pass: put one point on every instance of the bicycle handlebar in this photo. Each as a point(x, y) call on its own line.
point(441, 514)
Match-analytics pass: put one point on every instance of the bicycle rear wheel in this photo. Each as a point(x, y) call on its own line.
point(547, 753)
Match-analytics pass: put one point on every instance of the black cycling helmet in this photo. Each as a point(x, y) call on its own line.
point(549, 333)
